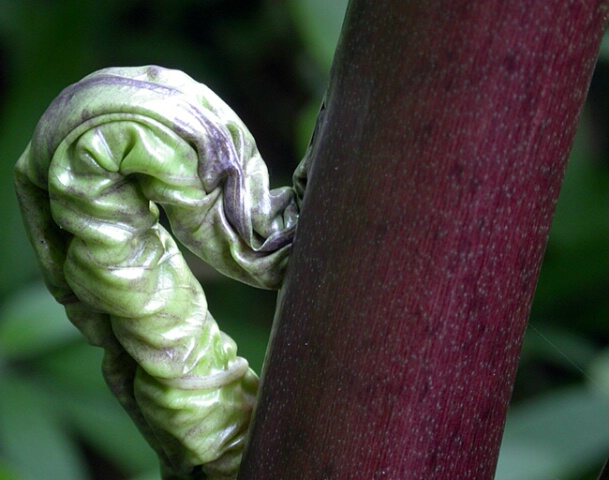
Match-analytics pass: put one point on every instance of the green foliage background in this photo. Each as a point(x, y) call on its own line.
point(270, 61)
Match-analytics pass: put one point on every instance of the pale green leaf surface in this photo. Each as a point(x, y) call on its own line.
point(598, 371)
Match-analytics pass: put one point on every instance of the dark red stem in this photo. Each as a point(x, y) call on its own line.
point(435, 177)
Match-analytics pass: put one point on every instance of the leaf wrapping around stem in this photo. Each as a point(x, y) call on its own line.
point(108, 150)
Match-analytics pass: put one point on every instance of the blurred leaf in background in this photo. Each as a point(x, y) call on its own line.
point(269, 61)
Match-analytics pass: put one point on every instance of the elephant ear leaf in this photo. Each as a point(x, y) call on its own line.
point(109, 151)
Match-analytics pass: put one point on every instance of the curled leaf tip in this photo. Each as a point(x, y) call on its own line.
point(106, 154)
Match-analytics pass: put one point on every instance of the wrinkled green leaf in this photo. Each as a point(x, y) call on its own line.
point(106, 154)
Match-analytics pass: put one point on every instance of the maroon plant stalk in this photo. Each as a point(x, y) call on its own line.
point(435, 175)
